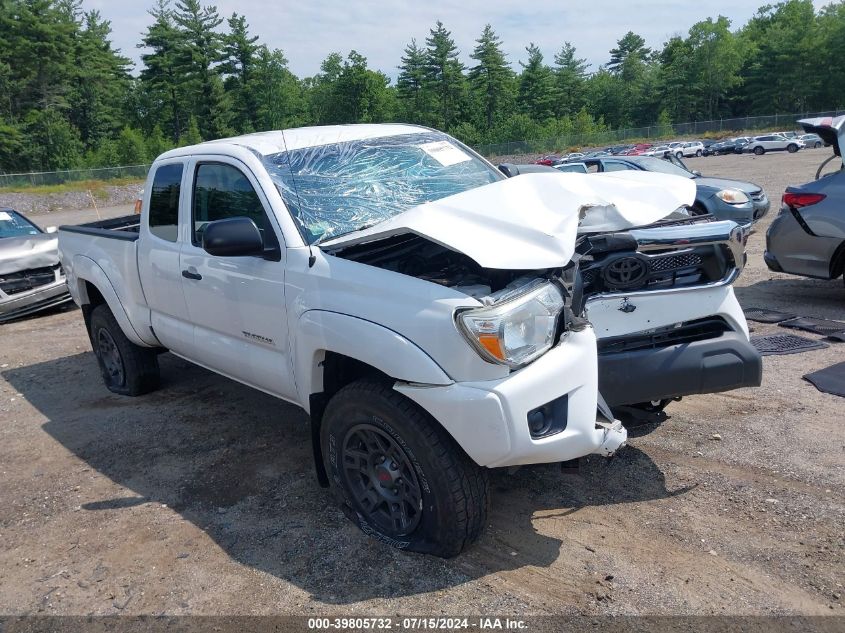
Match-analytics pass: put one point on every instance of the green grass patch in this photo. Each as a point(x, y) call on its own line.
point(98, 188)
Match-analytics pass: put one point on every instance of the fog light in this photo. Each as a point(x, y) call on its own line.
point(536, 421)
point(548, 419)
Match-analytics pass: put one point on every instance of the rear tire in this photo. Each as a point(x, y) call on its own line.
point(792, 148)
point(127, 369)
point(817, 145)
point(699, 153)
point(759, 151)
point(397, 473)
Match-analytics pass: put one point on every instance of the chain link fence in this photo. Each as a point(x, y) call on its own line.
point(725, 127)
point(36, 179)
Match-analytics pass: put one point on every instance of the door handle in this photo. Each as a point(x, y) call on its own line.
point(187, 274)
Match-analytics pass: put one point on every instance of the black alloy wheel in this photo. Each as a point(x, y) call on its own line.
point(381, 480)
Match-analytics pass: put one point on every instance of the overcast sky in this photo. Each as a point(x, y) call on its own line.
point(308, 30)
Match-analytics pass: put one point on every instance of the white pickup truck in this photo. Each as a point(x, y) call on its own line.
point(422, 308)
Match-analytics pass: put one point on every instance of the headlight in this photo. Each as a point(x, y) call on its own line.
point(732, 196)
point(516, 330)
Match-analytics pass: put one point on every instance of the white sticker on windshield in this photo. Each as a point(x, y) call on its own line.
point(5, 217)
point(445, 153)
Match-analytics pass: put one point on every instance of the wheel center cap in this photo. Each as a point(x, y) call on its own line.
point(383, 475)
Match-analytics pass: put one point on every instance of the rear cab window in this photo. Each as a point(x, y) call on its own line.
point(164, 201)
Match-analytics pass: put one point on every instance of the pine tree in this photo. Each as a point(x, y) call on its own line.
point(239, 50)
point(160, 78)
point(628, 56)
point(101, 82)
point(276, 91)
point(201, 50)
point(570, 74)
point(192, 134)
point(536, 86)
point(492, 77)
point(444, 72)
point(411, 85)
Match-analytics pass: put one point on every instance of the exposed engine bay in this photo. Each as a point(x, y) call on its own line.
point(416, 256)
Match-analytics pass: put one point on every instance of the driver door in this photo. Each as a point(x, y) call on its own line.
point(236, 304)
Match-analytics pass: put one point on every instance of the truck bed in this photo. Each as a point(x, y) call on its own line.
point(105, 253)
point(125, 227)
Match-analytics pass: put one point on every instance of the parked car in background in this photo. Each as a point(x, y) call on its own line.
point(808, 235)
point(688, 150)
point(811, 140)
point(660, 151)
point(548, 160)
point(726, 199)
point(574, 168)
point(759, 145)
point(31, 278)
point(637, 149)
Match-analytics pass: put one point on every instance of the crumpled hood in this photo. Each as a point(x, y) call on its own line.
point(531, 222)
point(28, 251)
point(627, 199)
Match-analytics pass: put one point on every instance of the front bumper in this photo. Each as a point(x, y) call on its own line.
point(489, 419)
point(706, 366)
point(41, 298)
point(618, 315)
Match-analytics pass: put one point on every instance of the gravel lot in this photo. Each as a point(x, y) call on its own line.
point(200, 498)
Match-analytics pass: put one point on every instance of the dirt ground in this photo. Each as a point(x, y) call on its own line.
point(200, 498)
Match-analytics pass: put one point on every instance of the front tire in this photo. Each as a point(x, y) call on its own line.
point(699, 153)
point(127, 369)
point(792, 148)
point(817, 145)
point(759, 151)
point(397, 473)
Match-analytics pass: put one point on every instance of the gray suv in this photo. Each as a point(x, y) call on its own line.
point(808, 236)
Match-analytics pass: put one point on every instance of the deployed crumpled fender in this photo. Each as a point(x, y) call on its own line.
point(531, 222)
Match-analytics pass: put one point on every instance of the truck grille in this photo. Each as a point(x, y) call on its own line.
point(675, 262)
point(25, 280)
point(632, 270)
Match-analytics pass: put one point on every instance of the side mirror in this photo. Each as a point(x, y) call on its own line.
point(232, 237)
point(51, 229)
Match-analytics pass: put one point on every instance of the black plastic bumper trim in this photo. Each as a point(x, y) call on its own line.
point(718, 364)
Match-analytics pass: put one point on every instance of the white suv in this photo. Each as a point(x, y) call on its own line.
point(686, 150)
point(772, 143)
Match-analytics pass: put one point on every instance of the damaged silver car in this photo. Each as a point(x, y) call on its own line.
point(31, 278)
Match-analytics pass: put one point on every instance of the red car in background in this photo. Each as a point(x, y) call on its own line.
point(637, 149)
point(551, 159)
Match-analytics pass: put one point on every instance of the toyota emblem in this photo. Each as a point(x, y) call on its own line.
point(626, 272)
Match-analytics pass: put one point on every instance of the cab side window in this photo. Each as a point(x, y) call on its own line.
point(164, 202)
point(223, 191)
